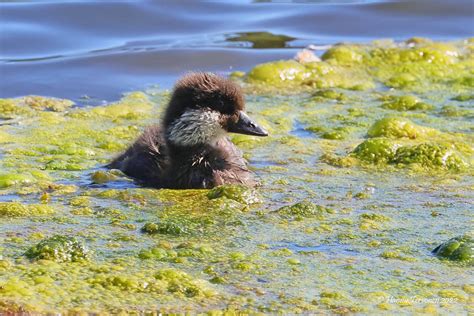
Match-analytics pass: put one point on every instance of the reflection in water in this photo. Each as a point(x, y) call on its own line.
point(262, 39)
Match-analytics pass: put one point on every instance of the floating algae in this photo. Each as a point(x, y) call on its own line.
point(358, 183)
point(459, 248)
point(58, 248)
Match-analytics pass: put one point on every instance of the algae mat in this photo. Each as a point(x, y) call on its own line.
point(367, 170)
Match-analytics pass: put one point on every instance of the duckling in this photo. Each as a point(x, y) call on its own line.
point(191, 149)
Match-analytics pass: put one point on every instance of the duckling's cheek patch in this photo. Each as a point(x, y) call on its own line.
point(195, 127)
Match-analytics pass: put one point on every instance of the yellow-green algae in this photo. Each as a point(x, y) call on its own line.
point(405, 103)
point(59, 248)
point(408, 66)
point(15, 209)
point(332, 232)
point(459, 248)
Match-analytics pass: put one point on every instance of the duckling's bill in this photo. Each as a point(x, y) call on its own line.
point(245, 125)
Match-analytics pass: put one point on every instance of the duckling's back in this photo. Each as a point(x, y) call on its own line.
point(146, 160)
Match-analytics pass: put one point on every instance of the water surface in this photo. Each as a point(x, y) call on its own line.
point(101, 49)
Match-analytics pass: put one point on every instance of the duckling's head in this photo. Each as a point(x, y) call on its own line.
point(203, 107)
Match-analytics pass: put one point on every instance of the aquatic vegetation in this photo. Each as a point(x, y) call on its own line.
point(405, 103)
point(262, 39)
point(427, 155)
point(166, 228)
point(237, 193)
point(430, 155)
point(408, 66)
point(459, 248)
point(11, 179)
point(356, 181)
point(15, 209)
point(376, 150)
point(329, 94)
point(59, 248)
point(344, 55)
point(278, 72)
point(304, 209)
point(394, 127)
point(101, 177)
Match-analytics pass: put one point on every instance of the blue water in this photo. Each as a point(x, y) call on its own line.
point(100, 49)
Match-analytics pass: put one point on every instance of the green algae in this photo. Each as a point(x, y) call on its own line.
point(406, 66)
point(217, 249)
point(262, 39)
point(237, 193)
point(394, 127)
point(302, 210)
point(8, 180)
point(427, 155)
point(376, 150)
point(47, 104)
point(329, 94)
point(15, 209)
point(166, 228)
point(463, 97)
point(459, 249)
point(344, 55)
point(101, 177)
point(59, 248)
point(405, 103)
point(430, 155)
point(279, 72)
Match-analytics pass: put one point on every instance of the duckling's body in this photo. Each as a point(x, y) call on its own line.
point(191, 149)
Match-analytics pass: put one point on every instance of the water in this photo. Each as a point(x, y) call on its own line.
point(96, 50)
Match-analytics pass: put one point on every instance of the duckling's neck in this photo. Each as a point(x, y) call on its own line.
point(195, 128)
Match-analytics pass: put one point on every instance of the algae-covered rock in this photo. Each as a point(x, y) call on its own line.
point(278, 72)
point(431, 156)
point(394, 127)
point(376, 150)
point(16, 209)
point(406, 103)
point(59, 248)
point(303, 209)
point(459, 249)
point(239, 193)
